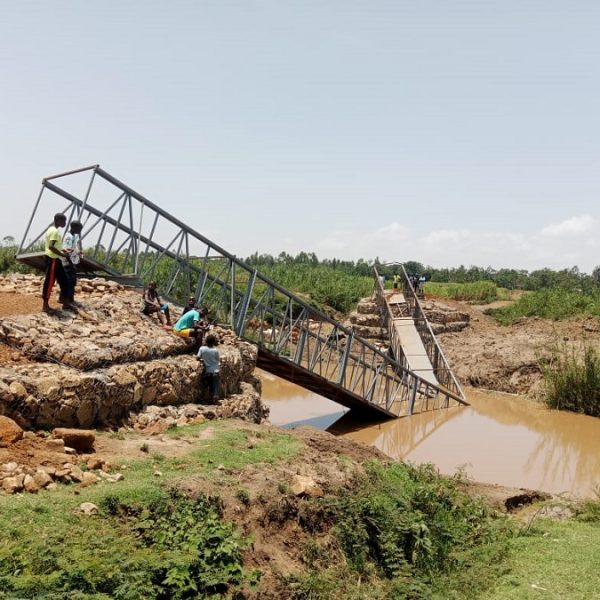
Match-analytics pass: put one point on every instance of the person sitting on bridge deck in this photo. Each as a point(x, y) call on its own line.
point(186, 324)
point(53, 256)
point(152, 304)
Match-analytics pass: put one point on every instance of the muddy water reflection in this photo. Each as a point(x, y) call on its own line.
point(498, 439)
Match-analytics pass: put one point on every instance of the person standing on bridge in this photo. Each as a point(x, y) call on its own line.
point(53, 257)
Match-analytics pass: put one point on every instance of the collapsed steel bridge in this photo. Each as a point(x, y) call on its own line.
point(130, 239)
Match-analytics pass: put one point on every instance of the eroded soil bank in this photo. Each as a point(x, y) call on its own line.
point(507, 358)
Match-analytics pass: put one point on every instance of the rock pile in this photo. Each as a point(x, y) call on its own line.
point(96, 366)
point(155, 419)
point(30, 462)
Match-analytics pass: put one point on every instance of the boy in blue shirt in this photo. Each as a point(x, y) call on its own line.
point(208, 355)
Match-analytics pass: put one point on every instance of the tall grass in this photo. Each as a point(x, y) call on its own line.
point(482, 292)
point(573, 380)
point(321, 285)
point(555, 304)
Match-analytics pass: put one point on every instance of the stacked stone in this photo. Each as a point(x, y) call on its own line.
point(104, 361)
point(443, 318)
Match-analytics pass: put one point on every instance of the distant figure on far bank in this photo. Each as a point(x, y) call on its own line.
point(397, 281)
point(208, 355)
point(70, 263)
point(53, 257)
point(153, 304)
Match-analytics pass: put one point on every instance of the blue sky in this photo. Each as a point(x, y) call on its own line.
point(446, 132)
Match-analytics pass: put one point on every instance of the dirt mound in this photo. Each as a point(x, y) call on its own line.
point(507, 358)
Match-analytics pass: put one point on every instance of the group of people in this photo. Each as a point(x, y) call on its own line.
point(61, 260)
point(193, 324)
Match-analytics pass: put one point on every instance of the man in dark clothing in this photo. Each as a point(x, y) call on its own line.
point(152, 304)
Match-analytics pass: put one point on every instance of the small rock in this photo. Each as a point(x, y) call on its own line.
point(89, 479)
point(95, 463)
point(88, 508)
point(42, 478)
point(118, 477)
point(69, 450)
point(52, 486)
point(12, 485)
point(305, 486)
point(76, 474)
point(56, 445)
point(30, 484)
point(157, 474)
point(10, 467)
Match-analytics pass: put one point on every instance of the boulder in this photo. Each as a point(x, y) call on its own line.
point(79, 439)
point(10, 432)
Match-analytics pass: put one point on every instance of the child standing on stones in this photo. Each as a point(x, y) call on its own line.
point(71, 262)
point(208, 355)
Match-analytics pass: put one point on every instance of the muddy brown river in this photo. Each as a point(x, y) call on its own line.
point(500, 438)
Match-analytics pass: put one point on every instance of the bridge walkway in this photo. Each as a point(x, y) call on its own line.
point(412, 345)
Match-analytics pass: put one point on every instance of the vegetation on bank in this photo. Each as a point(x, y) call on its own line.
point(394, 532)
point(573, 380)
point(479, 292)
point(554, 304)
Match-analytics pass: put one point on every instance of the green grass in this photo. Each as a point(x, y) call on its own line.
point(482, 292)
point(134, 548)
point(560, 557)
point(555, 304)
point(404, 532)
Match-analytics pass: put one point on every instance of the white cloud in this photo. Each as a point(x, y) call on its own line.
point(570, 227)
point(336, 240)
point(445, 236)
point(452, 247)
point(394, 232)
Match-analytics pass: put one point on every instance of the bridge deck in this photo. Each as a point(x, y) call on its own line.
point(412, 344)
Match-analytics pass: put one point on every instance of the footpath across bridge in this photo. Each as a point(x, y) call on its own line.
point(129, 238)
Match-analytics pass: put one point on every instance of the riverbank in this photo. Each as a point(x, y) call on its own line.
point(268, 513)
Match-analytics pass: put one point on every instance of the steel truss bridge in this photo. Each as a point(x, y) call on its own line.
point(128, 238)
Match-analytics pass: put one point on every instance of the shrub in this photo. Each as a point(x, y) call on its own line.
point(573, 380)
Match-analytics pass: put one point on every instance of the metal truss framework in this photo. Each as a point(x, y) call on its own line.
point(413, 309)
point(126, 234)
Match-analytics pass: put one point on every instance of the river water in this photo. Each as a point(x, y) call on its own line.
point(500, 438)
